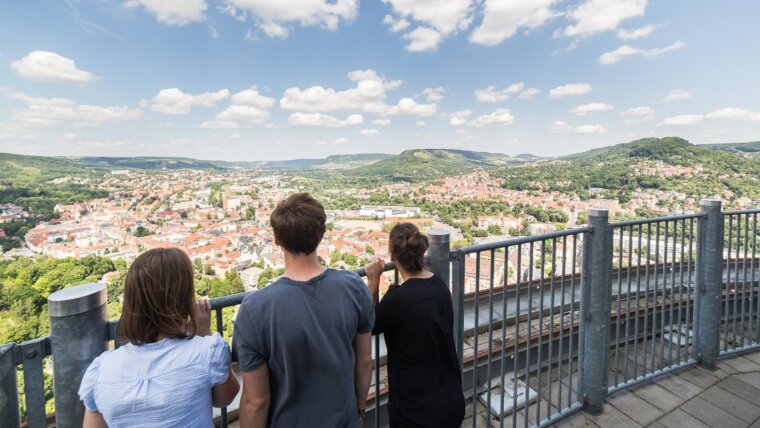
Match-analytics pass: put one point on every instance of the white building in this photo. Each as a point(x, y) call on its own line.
point(388, 211)
point(250, 278)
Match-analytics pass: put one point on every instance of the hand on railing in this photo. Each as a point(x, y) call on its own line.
point(203, 317)
point(374, 270)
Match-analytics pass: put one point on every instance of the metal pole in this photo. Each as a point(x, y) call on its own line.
point(596, 294)
point(9, 411)
point(709, 281)
point(438, 253)
point(78, 331)
point(457, 299)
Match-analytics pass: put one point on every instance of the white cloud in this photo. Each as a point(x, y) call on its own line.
point(218, 124)
point(381, 122)
point(50, 112)
point(234, 136)
point(340, 141)
point(594, 16)
point(50, 67)
point(274, 30)
point(396, 25)
point(407, 106)
point(436, 20)
point(271, 14)
point(638, 115)
point(434, 95)
point(503, 18)
point(572, 89)
point(422, 39)
point(459, 118)
point(252, 97)
point(324, 120)
point(529, 93)
point(564, 127)
point(493, 95)
point(734, 114)
point(174, 101)
point(421, 123)
point(678, 94)
point(683, 120)
point(230, 10)
point(585, 109)
point(370, 133)
point(637, 33)
point(500, 117)
point(624, 51)
point(172, 12)
point(368, 95)
point(243, 113)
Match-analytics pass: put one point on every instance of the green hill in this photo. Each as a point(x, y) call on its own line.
point(425, 164)
point(749, 149)
point(669, 164)
point(146, 162)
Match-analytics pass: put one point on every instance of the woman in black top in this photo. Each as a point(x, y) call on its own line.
point(417, 319)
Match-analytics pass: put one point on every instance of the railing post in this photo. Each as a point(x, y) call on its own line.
point(709, 281)
point(457, 299)
point(78, 329)
point(596, 311)
point(9, 412)
point(438, 253)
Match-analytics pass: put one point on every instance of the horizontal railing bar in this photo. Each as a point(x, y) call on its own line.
point(739, 212)
point(650, 375)
point(524, 240)
point(655, 220)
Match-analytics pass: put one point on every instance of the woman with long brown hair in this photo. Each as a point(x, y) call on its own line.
point(171, 370)
point(417, 318)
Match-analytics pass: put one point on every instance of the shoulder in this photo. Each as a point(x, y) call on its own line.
point(343, 275)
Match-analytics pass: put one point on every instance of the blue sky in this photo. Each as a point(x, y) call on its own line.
point(276, 79)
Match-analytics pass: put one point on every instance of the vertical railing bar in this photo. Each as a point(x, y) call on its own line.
point(9, 410)
point(645, 349)
point(681, 332)
point(736, 279)
point(628, 304)
point(619, 303)
point(561, 354)
point(655, 311)
point(728, 282)
point(673, 289)
point(664, 300)
point(638, 307)
point(504, 335)
point(551, 329)
point(744, 280)
point(690, 289)
point(220, 330)
point(34, 382)
point(377, 380)
point(754, 249)
point(490, 331)
point(539, 359)
point(530, 327)
point(476, 333)
point(517, 337)
point(572, 329)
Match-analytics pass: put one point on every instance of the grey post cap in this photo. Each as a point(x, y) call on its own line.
point(598, 212)
point(77, 299)
point(438, 236)
point(710, 202)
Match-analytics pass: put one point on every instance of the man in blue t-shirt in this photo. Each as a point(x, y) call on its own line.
point(303, 342)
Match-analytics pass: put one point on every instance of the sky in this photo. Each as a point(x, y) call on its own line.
point(282, 79)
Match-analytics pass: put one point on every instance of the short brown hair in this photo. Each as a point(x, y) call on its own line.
point(298, 223)
point(159, 297)
point(408, 245)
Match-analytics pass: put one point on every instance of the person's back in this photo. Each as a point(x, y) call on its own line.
point(417, 319)
point(304, 330)
point(303, 342)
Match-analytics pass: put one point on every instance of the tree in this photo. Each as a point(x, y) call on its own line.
point(369, 250)
point(494, 229)
point(233, 279)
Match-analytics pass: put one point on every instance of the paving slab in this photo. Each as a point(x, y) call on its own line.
point(658, 396)
point(701, 378)
point(680, 419)
point(612, 417)
point(742, 389)
point(678, 386)
point(635, 407)
point(710, 414)
point(737, 406)
point(741, 364)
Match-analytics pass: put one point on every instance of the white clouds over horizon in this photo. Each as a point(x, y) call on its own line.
point(174, 101)
point(500, 117)
point(727, 114)
point(434, 20)
point(172, 12)
point(585, 109)
point(52, 112)
point(272, 16)
point(502, 19)
point(564, 127)
point(50, 67)
point(323, 120)
point(624, 51)
point(572, 89)
point(595, 16)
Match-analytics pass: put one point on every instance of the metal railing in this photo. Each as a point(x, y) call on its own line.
point(544, 325)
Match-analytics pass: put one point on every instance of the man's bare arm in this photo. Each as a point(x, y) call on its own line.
point(362, 368)
point(254, 403)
